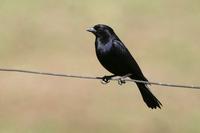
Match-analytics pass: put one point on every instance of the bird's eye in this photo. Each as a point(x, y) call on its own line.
point(99, 30)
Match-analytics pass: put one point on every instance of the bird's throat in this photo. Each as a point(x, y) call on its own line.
point(102, 40)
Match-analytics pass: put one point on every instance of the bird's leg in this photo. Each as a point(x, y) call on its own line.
point(106, 79)
point(121, 80)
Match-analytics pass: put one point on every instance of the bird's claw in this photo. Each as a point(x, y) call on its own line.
point(105, 79)
point(121, 81)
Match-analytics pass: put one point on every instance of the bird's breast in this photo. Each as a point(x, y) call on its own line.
point(103, 49)
point(110, 60)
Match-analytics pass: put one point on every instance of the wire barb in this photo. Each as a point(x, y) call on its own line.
point(122, 80)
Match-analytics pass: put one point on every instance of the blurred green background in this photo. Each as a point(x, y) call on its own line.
point(50, 36)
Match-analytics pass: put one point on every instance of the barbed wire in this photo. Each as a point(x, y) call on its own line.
point(121, 80)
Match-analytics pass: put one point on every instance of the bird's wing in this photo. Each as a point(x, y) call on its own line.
point(127, 59)
point(120, 47)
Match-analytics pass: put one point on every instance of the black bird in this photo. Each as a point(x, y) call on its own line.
point(115, 57)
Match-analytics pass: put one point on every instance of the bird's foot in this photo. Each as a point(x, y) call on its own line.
point(121, 81)
point(106, 79)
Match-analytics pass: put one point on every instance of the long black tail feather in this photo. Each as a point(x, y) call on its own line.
point(148, 97)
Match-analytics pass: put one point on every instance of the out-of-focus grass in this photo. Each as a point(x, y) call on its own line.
point(50, 36)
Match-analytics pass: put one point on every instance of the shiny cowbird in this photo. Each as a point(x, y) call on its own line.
point(115, 57)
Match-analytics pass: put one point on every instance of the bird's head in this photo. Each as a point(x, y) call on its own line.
point(102, 31)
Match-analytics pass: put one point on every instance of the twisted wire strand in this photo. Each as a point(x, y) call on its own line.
point(120, 80)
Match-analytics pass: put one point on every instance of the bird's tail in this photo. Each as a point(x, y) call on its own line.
point(148, 97)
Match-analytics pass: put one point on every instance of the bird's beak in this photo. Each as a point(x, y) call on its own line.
point(91, 30)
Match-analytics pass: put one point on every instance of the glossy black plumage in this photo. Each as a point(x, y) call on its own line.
point(115, 57)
